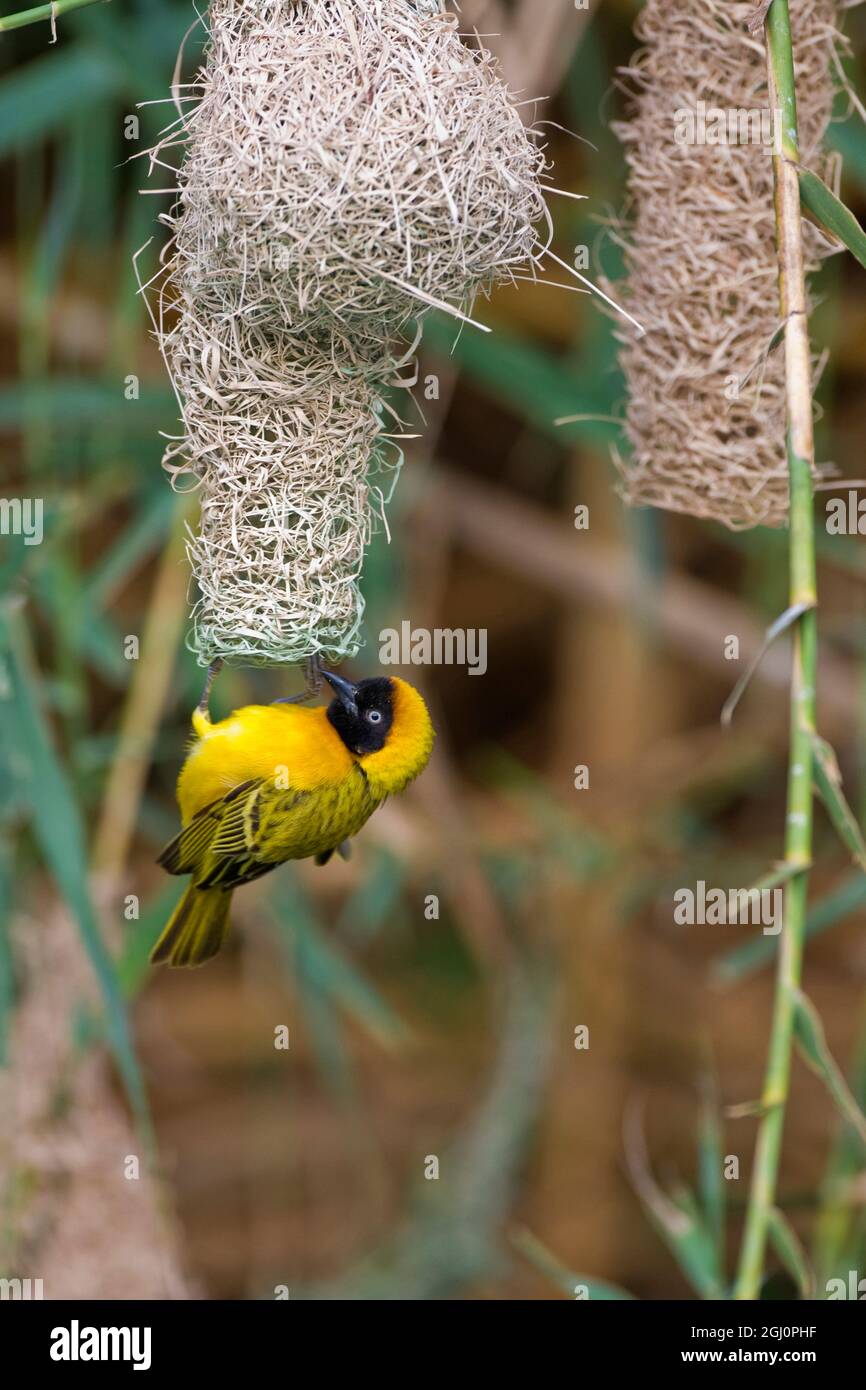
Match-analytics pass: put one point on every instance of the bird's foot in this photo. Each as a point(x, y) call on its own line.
point(202, 709)
point(312, 683)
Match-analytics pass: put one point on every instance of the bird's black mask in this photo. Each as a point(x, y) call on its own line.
point(362, 714)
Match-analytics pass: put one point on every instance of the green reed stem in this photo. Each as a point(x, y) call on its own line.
point(41, 12)
point(798, 828)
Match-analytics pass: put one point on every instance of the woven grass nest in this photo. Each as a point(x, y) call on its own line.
point(706, 394)
point(347, 165)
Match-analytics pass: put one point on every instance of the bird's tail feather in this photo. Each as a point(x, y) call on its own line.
point(196, 929)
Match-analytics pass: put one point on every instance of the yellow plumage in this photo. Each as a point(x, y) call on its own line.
point(256, 742)
point(278, 782)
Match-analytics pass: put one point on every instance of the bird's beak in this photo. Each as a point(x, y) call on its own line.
point(345, 690)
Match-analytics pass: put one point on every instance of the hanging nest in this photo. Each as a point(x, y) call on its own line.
point(706, 394)
point(347, 160)
point(288, 505)
point(348, 164)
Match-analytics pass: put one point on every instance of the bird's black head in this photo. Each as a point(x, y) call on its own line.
point(362, 714)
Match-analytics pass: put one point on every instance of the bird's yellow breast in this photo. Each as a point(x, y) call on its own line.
point(297, 747)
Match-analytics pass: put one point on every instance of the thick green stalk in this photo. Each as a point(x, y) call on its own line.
point(41, 12)
point(798, 829)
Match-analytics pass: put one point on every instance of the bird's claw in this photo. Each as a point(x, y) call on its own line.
point(212, 672)
point(312, 683)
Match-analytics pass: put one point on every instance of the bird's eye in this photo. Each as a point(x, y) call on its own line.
point(374, 716)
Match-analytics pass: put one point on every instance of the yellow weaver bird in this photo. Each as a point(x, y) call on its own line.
point(278, 782)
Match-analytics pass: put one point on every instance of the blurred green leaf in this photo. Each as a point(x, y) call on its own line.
point(7, 983)
point(812, 1042)
point(694, 1246)
point(597, 1291)
point(145, 47)
point(828, 780)
point(787, 1245)
point(677, 1218)
point(846, 136)
point(146, 531)
point(528, 381)
point(711, 1173)
point(841, 1218)
point(832, 214)
point(96, 639)
point(825, 914)
point(134, 967)
point(581, 849)
point(136, 265)
point(83, 401)
point(16, 556)
point(102, 644)
point(586, 91)
point(450, 1237)
point(329, 969)
point(46, 94)
point(43, 269)
point(374, 899)
point(59, 832)
point(100, 176)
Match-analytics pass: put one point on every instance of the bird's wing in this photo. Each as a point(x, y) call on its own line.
point(188, 850)
point(243, 847)
point(221, 845)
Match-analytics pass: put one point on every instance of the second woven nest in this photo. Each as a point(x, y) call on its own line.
point(706, 395)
